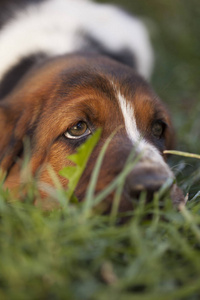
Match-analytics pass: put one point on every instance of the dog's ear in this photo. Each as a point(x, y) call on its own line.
point(19, 114)
point(15, 124)
point(11, 138)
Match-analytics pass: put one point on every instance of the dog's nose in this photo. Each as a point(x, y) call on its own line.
point(145, 178)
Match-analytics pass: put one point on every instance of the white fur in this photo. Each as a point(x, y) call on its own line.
point(149, 152)
point(129, 119)
point(54, 27)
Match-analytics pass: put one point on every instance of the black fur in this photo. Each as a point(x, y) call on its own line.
point(13, 76)
point(92, 45)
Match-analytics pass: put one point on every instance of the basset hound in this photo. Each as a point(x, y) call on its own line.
point(67, 68)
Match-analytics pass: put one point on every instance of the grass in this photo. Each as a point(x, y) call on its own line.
point(68, 254)
point(71, 254)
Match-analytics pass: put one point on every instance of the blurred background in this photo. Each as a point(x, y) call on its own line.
point(174, 28)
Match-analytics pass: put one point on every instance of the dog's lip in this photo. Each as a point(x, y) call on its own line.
point(151, 185)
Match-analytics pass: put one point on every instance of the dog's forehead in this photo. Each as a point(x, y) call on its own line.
point(103, 75)
point(99, 78)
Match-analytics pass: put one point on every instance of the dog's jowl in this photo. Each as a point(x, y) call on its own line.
point(67, 68)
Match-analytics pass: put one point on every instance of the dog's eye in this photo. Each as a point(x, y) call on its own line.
point(77, 131)
point(158, 129)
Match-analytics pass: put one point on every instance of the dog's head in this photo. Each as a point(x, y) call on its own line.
point(61, 102)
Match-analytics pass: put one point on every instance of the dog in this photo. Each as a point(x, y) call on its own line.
point(67, 68)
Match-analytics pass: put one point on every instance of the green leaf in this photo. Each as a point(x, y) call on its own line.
point(80, 159)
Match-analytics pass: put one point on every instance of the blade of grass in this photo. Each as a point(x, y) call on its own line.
point(91, 187)
point(80, 159)
point(195, 196)
point(115, 182)
point(119, 190)
point(191, 221)
point(180, 153)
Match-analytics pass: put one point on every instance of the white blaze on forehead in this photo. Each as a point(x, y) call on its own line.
point(129, 119)
point(149, 151)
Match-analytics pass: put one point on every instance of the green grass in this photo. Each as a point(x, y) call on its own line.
point(72, 253)
point(68, 254)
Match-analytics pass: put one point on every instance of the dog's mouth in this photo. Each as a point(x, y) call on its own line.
point(129, 202)
point(142, 182)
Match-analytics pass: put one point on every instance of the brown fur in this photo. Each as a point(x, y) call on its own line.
point(62, 91)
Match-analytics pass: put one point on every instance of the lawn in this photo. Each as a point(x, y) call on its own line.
point(73, 253)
